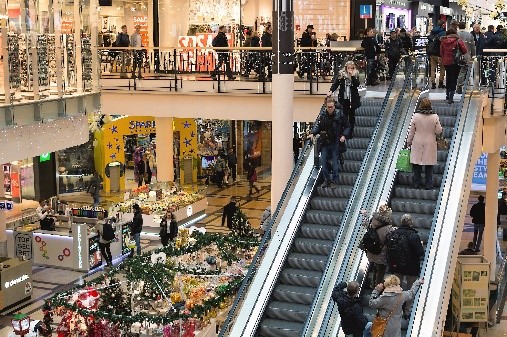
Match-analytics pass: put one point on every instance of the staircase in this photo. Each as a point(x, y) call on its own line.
point(292, 297)
point(420, 203)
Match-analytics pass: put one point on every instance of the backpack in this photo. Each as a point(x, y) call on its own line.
point(397, 248)
point(457, 55)
point(433, 46)
point(371, 241)
point(108, 231)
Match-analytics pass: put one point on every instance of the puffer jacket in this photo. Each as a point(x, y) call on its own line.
point(379, 220)
point(350, 309)
point(447, 45)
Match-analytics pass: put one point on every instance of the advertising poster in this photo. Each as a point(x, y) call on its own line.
point(94, 252)
point(67, 25)
point(475, 294)
point(125, 234)
point(480, 170)
point(143, 22)
point(15, 186)
point(253, 141)
point(202, 60)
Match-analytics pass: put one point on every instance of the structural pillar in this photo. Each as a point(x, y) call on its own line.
point(490, 232)
point(77, 41)
point(5, 53)
point(3, 220)
point(282, 97)
point(165, 149)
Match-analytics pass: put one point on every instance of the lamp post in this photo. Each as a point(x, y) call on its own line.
point(21, 324)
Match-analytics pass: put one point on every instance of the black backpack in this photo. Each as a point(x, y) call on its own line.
point(433, 46)
point(108, 231)
point(397, 248)
point(371, 240)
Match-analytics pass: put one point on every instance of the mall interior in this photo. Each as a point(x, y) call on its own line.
point(199, 119)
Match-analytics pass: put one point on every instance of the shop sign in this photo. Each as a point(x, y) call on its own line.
point(6, 205)
point(15, 281)
point(480, 170)
point(397, 3)
point(23, 245)
point(15, 187)
point(134, 125)
point(445, 11)
point(425, 8)
point(365, 11)
point(143, 31)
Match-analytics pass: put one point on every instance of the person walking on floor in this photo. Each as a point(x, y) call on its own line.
point(478, 214)
point(266, 41)
point(220, 40)
point(452, 68)
point(251, 176)
point(94, 188)
point(469, 41)
point(424, 128)
point(144, 171)
point(123, 40)
point(229, 211)
point(371, 52)
point(137, 227)
point(393, 52)
point(409, 252)
point(346, 297)
point(333, 129)
point(137, 55)
point(307, 64)
point(388, 297)
point(232, 161)
point(164, 228)
point(347, 83)
point(104, 245)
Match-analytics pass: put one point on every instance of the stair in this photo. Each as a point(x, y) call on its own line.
point(292, 297)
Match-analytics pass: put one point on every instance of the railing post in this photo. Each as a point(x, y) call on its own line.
point(175, 70)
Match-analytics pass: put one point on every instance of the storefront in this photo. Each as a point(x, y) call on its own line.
point(395, 14)
point(75, 168)
point(421, 18)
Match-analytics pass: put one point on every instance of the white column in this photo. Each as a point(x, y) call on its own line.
point(282, 107)
point(165, 149)
point(94, 20)
point(77, 41)
point(490, 232)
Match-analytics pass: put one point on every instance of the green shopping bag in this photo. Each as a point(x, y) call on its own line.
point(403, 163)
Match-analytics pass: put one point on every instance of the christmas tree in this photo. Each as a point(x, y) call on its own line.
point(113, 298)
point(240, 225)
point(45, 328)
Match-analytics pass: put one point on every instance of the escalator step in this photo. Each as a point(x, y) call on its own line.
point(307, 261)
point(277, 328)
point(368, 111)
point(418, 205)
point(295, 294)
point(300, 277)
point(358, 143)
point(441, 110)
point(322, 232)
point(412, 193)
point(339, 192)
point(329, 204)
point(345, 178)
point(447, 121)
point(324, 217)
point(312, 246)
point(292, 312)
point(363, 132)
point(354, 154)
point(405, 178)
point(371, 102)
point(366, 121)
point(351, 166)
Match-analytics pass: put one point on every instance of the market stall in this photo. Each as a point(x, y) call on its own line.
point(15, 281)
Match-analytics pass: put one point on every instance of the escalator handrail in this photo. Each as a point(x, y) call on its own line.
point(350, 209)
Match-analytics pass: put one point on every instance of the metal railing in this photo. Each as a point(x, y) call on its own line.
point(493, 72)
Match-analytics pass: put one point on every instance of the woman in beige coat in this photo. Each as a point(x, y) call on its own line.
point(424, 128)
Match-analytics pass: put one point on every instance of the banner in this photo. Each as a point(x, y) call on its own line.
point(143, 22)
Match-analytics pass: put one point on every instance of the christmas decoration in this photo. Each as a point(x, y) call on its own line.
point(45, 328)
point(240, 225)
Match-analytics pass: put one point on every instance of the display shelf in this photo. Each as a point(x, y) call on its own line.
point(70, 59)
point(87, 212)
point(14, 69)
point(51, 58)
point(42, 59)
point(25, 74)
point(86, 55)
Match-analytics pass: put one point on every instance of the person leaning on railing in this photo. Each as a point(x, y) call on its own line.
point(123, 40)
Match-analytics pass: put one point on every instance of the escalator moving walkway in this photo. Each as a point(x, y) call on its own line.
point(292, 297)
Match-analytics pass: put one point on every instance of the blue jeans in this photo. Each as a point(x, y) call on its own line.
point(137, 239)
point(365, 333)
point(478, 232)
point(96, 200)
point(329, 152)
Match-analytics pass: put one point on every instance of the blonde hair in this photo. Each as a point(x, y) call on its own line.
point(391, 280)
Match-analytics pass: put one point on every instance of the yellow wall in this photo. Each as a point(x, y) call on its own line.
point(187, 128)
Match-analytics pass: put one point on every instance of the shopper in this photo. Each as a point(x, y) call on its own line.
point(94, 188)
point(424, 128)
point(469, 41)
point(104, 245)
point(251, 175)
point(46, 221)
point(229, 211)
point(308, 39)
point(347, 83)
point(371, 52)
point(137, 54)
point(164, 228)
point(406, 42)
point(232, 161)
point(173, 228)
point(393, 52)
point(266, 42)
point(502, 208)
point(469, 250)
point(333, 129)
point(144, 171)
point(478, 214)
point(388, 298)
point(220, 40)
point(404, 254)
point(252, 60)
point(447, 45)
point(123, 40)
point(382, 222)
point(433, 50)
point(137, 227)
point(354, 322)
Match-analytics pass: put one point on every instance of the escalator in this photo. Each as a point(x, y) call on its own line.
point(300, 276)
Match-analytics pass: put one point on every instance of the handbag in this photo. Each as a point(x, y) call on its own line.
point(253, 178)
point(403, 163)
point(442, 143)
point(457, 55)
point(379, 324)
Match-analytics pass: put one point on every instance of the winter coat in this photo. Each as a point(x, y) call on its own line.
point(387, 301)
point(406, 43)
point(173, 229)
point(379, 220)
point(255, 41)
point(498, 41)
point(340, 83)
point(371, 48)
point(94, 188)
point(248, 41)
point(480, 42)
point(266, 40)
point(306, 40)
point(122, 40)
point(438, 31)
point(422, 140)
point(229, 211)
point(415, 251)
point(447, 44)
point(468, 38)
point(393, 48)
point(335, 126)
point(137, 223)
point(221, 40)
point(350, 309)
point(478, 213)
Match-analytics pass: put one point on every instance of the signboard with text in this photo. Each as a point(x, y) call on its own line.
point(365, 11)
point(143, 22)
point(202, 59)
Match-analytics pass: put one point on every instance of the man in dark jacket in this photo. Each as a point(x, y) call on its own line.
point(413, 251)
point(393, 51)
point(371, 51)
point(137, 227)
point(266, 59)
point(435, 60)
point(333, 128)
point(123, 40)
point(223, 56)
point(229, 210)
point(308, 39)
point(232, 160)
point(353, 321)
point(478, 214)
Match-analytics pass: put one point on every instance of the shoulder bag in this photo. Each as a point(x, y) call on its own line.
point(442, 143)
point(379, 324)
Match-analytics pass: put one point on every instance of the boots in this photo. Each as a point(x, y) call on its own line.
point(451, 97)
point(441, 85)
